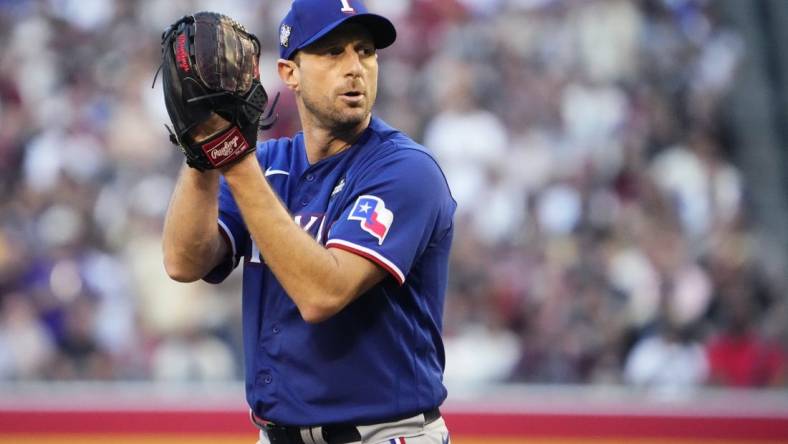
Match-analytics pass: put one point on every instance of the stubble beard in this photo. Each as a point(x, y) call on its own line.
point(334, 118)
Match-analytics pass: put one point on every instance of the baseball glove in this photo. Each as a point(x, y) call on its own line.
point(210, 65)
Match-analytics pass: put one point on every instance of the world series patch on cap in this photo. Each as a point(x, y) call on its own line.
point(309, 20)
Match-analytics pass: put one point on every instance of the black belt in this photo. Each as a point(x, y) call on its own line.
point(332, 434)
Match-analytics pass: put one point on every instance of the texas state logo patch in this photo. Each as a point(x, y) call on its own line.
point(373, 215)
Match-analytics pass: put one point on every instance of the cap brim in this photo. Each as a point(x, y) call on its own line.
point(382, 30)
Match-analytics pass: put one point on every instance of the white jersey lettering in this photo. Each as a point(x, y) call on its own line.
point(255, 259)
point(319, 237)
point(308, 225)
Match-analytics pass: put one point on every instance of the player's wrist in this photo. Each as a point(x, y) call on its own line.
point(242, 167)
point(209, 178)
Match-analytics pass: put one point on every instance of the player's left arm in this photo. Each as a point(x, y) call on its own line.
point(320, 281)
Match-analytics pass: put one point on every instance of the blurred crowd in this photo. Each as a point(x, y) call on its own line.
point(602, 230)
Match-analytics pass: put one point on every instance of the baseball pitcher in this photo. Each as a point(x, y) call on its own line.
point(343, 231)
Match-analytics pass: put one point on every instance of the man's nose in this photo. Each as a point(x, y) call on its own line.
point(352, 62)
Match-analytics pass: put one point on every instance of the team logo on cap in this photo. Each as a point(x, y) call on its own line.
point(284, 35)
point(346, 8)
point(374, 218)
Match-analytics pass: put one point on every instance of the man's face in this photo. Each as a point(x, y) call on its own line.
point(338, 77)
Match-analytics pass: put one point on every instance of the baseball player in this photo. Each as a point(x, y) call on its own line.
point(343, 233)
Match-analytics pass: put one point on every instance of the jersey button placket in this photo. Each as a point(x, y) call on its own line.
point(309, 177)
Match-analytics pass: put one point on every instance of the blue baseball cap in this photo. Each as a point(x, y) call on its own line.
point(309, 20)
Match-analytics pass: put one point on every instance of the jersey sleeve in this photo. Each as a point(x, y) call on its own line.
point(397, 206)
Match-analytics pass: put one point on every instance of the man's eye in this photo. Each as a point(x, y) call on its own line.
point(367, 50)
point(335, 51)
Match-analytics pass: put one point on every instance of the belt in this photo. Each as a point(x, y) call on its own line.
point(331, 434)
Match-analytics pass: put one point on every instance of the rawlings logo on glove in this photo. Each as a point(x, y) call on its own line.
point(222, 150)
point(210, 67)
point(180, 54)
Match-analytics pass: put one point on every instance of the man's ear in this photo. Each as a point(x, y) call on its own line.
point(289, 73)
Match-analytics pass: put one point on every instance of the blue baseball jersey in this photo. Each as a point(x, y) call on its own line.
point(381, 357)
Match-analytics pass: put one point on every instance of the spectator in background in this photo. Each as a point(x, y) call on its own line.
point(703, 188)
point(669, 360)
point(740, 356)
point(26, 347)
point(468, 140)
